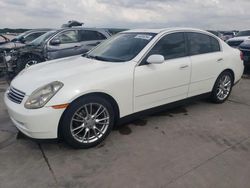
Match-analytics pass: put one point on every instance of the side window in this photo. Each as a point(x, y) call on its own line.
point(214, 44)
point(87, 35)
point(68, 37)
point(171, 46)
point(201, 44)
point(33, 36)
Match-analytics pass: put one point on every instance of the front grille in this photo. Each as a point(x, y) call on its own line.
point(235, 43)
point(15, 95)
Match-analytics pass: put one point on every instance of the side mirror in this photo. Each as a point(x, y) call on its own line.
point(55, 42)
point(155, 59)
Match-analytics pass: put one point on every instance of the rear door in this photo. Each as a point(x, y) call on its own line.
point(69, 45)
point(90, 39)
point(207, 62)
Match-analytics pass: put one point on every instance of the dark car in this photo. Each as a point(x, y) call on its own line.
point(245, 52)
point(56, 44)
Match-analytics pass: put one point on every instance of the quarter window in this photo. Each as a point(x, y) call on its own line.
point(201, 44)
point(68, 37)
point(171, 46)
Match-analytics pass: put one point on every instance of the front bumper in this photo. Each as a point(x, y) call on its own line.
point(35, 123)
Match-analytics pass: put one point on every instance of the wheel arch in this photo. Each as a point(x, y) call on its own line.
point(98, 94)
point(25, 55)
point(231, 71)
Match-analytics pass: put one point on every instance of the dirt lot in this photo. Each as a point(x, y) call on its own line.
point(200, 145)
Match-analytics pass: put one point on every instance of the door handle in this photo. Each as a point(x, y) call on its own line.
point(183, 67)
point(219, 60)
point(76, 46)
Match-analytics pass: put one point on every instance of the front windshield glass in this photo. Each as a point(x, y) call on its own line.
point(121, 47)
point(18, 37)
point(243, 33)
point(42, 38)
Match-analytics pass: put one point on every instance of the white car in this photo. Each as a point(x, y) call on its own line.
point(239, 38)
point(80, 98)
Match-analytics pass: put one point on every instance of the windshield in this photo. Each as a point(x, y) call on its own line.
point(42, 38)
point(18, 37)
point(243, 33)
point(121, 47)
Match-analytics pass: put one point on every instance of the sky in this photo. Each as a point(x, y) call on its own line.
point(204, 14)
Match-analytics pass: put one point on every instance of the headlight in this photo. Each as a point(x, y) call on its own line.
point(42, 95)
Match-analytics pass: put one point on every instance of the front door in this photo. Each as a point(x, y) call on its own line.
point(158, 84)
point(69, 45)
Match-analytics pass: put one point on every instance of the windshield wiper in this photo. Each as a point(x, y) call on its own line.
point(101, 58)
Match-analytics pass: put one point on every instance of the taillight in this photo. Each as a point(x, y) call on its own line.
point(241, 55)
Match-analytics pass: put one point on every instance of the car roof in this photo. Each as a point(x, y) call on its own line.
point(41, 29)
point(82, 28)
point(156, 31)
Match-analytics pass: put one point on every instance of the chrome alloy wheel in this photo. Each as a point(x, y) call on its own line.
point(89, 123)
point(224, 87)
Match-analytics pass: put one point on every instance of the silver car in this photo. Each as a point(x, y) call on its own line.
point(57, 44)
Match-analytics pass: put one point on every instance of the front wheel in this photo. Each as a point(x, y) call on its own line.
point(222, 88)
point(87, 122)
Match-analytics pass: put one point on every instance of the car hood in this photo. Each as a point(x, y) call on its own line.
point(62, 70)
point(11, 45)
point(239, 38)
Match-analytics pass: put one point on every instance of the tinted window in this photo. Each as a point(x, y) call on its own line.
point(87, 35)
point(200, 44)
point(33, 36)
point(68, 37)
point(171, 46)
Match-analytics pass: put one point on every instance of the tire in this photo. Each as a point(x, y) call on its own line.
point(87, 122)
point(24, 61)
point(222, 87)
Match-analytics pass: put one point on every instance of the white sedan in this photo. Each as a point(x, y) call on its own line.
point(80, 98)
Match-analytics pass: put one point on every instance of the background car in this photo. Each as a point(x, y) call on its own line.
point(216, 33)
point(3, 39)
point(23, 39)
point(81, 98)
point(239, 38)
point(245, 49)
point(226, 35)
point(57, 44)
point(19, 41)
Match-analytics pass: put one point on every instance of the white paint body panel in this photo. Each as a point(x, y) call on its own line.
point(133, 87)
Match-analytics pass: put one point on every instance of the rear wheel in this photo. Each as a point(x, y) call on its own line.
point(87, 122)
point(222, 88)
